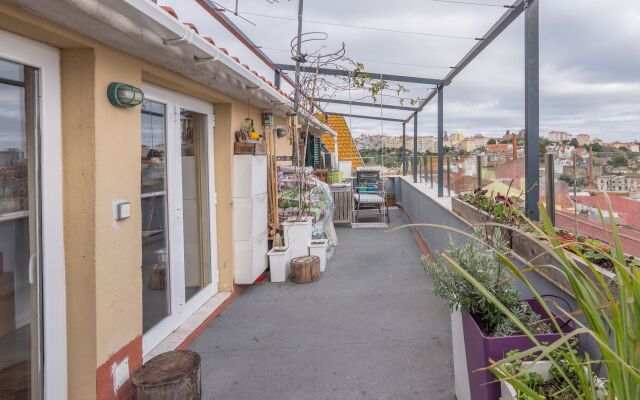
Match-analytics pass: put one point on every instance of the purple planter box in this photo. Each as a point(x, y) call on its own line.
point(481, 348)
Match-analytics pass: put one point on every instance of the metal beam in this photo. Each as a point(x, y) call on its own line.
point(404, 149)
point(440, 141)
point(375, 75)
point(505, 20)
point(415, 149)
point(363, 104)
point(532, 108)
point(365, 117)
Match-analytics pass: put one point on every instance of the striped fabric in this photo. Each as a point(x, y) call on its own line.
point(369, 198)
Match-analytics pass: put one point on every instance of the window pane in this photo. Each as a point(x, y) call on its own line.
point(195, 191)
point(155, 257)
point(17, 322)
point(11, 71)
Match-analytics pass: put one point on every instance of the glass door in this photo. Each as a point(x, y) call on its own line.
point(177, 252)
point(20, 339)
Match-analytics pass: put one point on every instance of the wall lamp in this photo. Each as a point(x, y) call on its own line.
point(124, 95)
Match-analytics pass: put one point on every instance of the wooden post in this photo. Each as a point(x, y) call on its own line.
point(305, 269)
point(171, 375)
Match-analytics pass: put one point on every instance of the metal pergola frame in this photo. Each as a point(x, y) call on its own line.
point(532, 107)
point(532, 88)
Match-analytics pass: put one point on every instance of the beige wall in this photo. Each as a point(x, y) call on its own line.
point(79, 166)
point(101, 157)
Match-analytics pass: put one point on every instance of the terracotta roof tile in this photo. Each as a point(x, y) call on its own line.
point(170, 11)
point(192, 27)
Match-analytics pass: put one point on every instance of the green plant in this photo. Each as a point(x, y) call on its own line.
point(504, 209)
point(611, 320)
point(488, 269)
point(554, 387)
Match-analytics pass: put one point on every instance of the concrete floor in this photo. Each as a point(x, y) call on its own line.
point(369, 329)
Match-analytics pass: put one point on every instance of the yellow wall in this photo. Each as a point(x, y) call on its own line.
point(101, 157)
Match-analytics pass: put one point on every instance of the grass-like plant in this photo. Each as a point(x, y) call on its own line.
point(610, 320)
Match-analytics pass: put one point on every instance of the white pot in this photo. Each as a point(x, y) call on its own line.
point(279, 264)
point(297, 235)
point(508, 392)
point(460, 371)
point(318, 248)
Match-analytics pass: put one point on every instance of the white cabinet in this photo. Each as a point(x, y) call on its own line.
point(249, 175)
point(250, 207)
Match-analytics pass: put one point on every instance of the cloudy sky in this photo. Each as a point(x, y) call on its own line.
point(589, 67)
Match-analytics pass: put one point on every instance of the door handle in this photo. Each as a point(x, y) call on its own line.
point(32, 268)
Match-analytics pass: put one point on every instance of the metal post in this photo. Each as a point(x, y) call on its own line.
point(431, 169)
point(404, 149)
point(276, 78)
point(532, 108)
point(575, 191)
point(550, 188)
point(449, 176)
point(296, 96)
point(415, 148)
point(420, 169)
point(479, 171)
point(440, 141)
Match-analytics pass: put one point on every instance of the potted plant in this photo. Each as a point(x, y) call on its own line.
point(487, 333)
point(318, 247)
point(608, 319)
point(549, 377)
point(279, 261)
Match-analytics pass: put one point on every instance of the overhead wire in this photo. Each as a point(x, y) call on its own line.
point(370, 28)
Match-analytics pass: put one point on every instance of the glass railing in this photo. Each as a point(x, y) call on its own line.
point(580, 206)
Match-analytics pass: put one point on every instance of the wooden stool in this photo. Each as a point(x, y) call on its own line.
point(174, 375)
point(305, 269)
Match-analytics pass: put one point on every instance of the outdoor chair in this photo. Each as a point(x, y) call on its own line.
point(369, 194)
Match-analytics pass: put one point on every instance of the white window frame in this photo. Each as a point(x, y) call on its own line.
point(180, 310)
point(54, 316)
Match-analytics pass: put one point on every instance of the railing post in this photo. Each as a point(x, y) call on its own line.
point(479, 171)
point(550, 188)
point(404, 149)
point(440, 140)
point(415, 147)
point(420, 169)
point(431, 165)
point(449, 176)
point(532, 107)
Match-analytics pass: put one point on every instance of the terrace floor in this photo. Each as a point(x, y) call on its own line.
point(370, 328)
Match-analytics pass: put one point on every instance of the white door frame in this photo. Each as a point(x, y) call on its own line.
point(179, 310)
point(54, 317)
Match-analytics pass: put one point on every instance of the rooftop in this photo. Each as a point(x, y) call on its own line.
point(370, 328)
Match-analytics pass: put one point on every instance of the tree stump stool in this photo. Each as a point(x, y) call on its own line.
point(158, 276)
point(305, 269)
point(174, 375)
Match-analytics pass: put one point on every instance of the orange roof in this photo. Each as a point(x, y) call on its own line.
point(347, 150)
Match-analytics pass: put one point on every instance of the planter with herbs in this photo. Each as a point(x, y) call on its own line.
point(478, 207)
point(487, 334)
point(548, 377)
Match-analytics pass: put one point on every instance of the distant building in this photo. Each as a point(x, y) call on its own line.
point(456, 137)
point(583, 139)
point(619, 183)
point(555, 136)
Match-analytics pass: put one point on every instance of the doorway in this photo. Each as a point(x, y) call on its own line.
point(178, 218)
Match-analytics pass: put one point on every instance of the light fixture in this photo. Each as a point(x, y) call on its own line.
point(124, 95)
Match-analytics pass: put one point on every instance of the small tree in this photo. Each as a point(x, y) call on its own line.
point(574, 142)
point(492, 141)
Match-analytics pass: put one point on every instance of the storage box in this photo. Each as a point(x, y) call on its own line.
point(297, 235)
point(249, 175)
point(318, 248)
point(250, 259)
point(249, 148)
point(249, 216)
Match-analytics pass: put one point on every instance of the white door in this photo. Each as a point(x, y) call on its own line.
point(32, 285)
point(178, 205)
